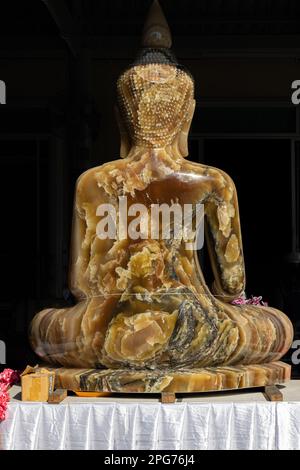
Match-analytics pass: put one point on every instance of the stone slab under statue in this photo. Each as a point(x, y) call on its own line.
point(181, 380)
point(145, 319)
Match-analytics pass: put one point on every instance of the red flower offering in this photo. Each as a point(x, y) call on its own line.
point(7, 378)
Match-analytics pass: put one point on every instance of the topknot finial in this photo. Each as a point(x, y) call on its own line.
point(156, 33)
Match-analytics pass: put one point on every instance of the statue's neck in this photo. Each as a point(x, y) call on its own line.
point(156, 163)
point(167, 154)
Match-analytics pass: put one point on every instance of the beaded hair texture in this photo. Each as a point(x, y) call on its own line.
point(155, 92)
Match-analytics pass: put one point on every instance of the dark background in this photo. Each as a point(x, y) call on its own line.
point(60, 60)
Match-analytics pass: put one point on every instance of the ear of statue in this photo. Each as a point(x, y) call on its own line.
point(180, 144)
point(125, 144)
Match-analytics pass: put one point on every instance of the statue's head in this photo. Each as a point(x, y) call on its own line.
point(155, 95)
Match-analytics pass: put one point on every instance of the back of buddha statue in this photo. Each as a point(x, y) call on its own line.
point(142, 300)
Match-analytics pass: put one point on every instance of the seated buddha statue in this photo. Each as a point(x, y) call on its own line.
point(143, 303)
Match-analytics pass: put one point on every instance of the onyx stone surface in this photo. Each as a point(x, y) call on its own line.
point(172, 380)
point(143, 304)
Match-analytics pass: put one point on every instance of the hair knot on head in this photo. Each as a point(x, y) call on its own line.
point(156, 32)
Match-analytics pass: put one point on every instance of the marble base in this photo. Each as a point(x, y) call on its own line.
point(172, 380)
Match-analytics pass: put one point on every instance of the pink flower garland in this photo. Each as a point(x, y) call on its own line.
point(7, 378)
point(242, 300)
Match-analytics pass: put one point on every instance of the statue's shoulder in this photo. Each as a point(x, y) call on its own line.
point(89, 175)
point(208, 171)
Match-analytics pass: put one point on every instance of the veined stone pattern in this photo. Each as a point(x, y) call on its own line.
point(144, 304)
point(172, 380)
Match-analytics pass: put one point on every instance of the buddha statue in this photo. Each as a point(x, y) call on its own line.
point(143, 307)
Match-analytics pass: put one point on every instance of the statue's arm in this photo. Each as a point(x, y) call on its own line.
point(78, 234)
point(224, 238)
point(89, 193)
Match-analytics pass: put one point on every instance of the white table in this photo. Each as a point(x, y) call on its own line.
point(242, 420)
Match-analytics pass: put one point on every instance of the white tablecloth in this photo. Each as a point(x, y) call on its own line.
point(226, 423)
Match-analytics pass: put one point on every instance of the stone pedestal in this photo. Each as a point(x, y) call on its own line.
point(172, 380)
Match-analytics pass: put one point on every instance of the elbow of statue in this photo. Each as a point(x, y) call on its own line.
point(226, 296)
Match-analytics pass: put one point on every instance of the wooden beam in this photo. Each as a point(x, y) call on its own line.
point(272, 393)
point(57, 396)
point(167, 397)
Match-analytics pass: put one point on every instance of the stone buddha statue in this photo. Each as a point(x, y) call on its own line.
point(143, 307)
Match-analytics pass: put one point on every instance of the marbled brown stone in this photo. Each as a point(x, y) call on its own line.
point(144, 304)
point(173, 380)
